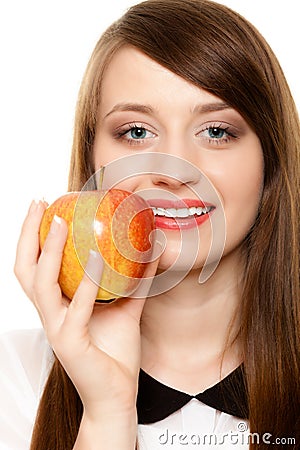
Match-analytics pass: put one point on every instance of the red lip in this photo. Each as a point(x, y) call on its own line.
point(179, 223)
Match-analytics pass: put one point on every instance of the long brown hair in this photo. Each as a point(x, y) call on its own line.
point(216, 49)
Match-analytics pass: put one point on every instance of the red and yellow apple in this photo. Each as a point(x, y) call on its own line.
point(115, 223)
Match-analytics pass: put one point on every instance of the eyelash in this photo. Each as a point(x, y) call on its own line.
point(229, 134)
point(121, 133)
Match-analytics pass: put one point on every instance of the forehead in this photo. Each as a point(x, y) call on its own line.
point(132, 76)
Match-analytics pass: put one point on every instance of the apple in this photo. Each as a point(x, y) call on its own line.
point(116, 223)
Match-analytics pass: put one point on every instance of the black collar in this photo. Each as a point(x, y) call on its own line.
point(157, 401)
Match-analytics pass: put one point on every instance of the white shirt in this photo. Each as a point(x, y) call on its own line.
point(25, 361)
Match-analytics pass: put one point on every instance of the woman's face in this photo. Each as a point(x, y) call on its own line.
point(146, 108)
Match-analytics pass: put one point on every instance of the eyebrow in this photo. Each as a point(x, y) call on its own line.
point(131, 107)
point(211, 107)
point(147, 109)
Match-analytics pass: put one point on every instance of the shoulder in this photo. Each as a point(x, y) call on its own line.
point(25, 356)
point(19, 340)
point(25, 361)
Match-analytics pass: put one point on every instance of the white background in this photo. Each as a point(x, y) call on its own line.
point(44, 48)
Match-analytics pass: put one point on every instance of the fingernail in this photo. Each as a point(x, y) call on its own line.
point(34, 205)
point(94, 266)
point(55, 224)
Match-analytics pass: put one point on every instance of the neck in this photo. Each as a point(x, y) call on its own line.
point(193, 326)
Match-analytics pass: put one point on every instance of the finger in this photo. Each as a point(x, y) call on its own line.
point(82, 305)
point(28, 246)
point(136, 302)
point(144, 286)
point(47, 292)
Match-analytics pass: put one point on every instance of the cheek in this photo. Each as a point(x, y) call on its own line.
point(245, 184)
point(243, 189)
point(101, 153)
point(238, 175)
point(105, 149)
point(241, 194)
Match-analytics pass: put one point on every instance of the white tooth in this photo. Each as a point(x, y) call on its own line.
point(171, 212)
point(182, 212)
point(160, 212)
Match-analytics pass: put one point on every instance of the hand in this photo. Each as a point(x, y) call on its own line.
point(97, 344)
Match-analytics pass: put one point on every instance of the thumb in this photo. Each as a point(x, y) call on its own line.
point(136, 302)
point(144, 286)
point(82, 305)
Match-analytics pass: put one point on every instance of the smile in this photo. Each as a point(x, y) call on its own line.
point(181, 214)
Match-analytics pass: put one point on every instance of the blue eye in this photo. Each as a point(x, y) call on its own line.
point(135, 134)
point(138, 133)
point(216, 132)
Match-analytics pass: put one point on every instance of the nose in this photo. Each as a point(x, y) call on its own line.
point(162, 169)
point(167, 182)
point(172, 172)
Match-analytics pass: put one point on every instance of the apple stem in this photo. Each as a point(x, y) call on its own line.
point(101, 176)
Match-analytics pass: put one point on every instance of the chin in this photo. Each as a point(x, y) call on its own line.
point(180, 262)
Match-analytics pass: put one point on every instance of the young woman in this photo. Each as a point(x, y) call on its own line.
point(199, 363)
